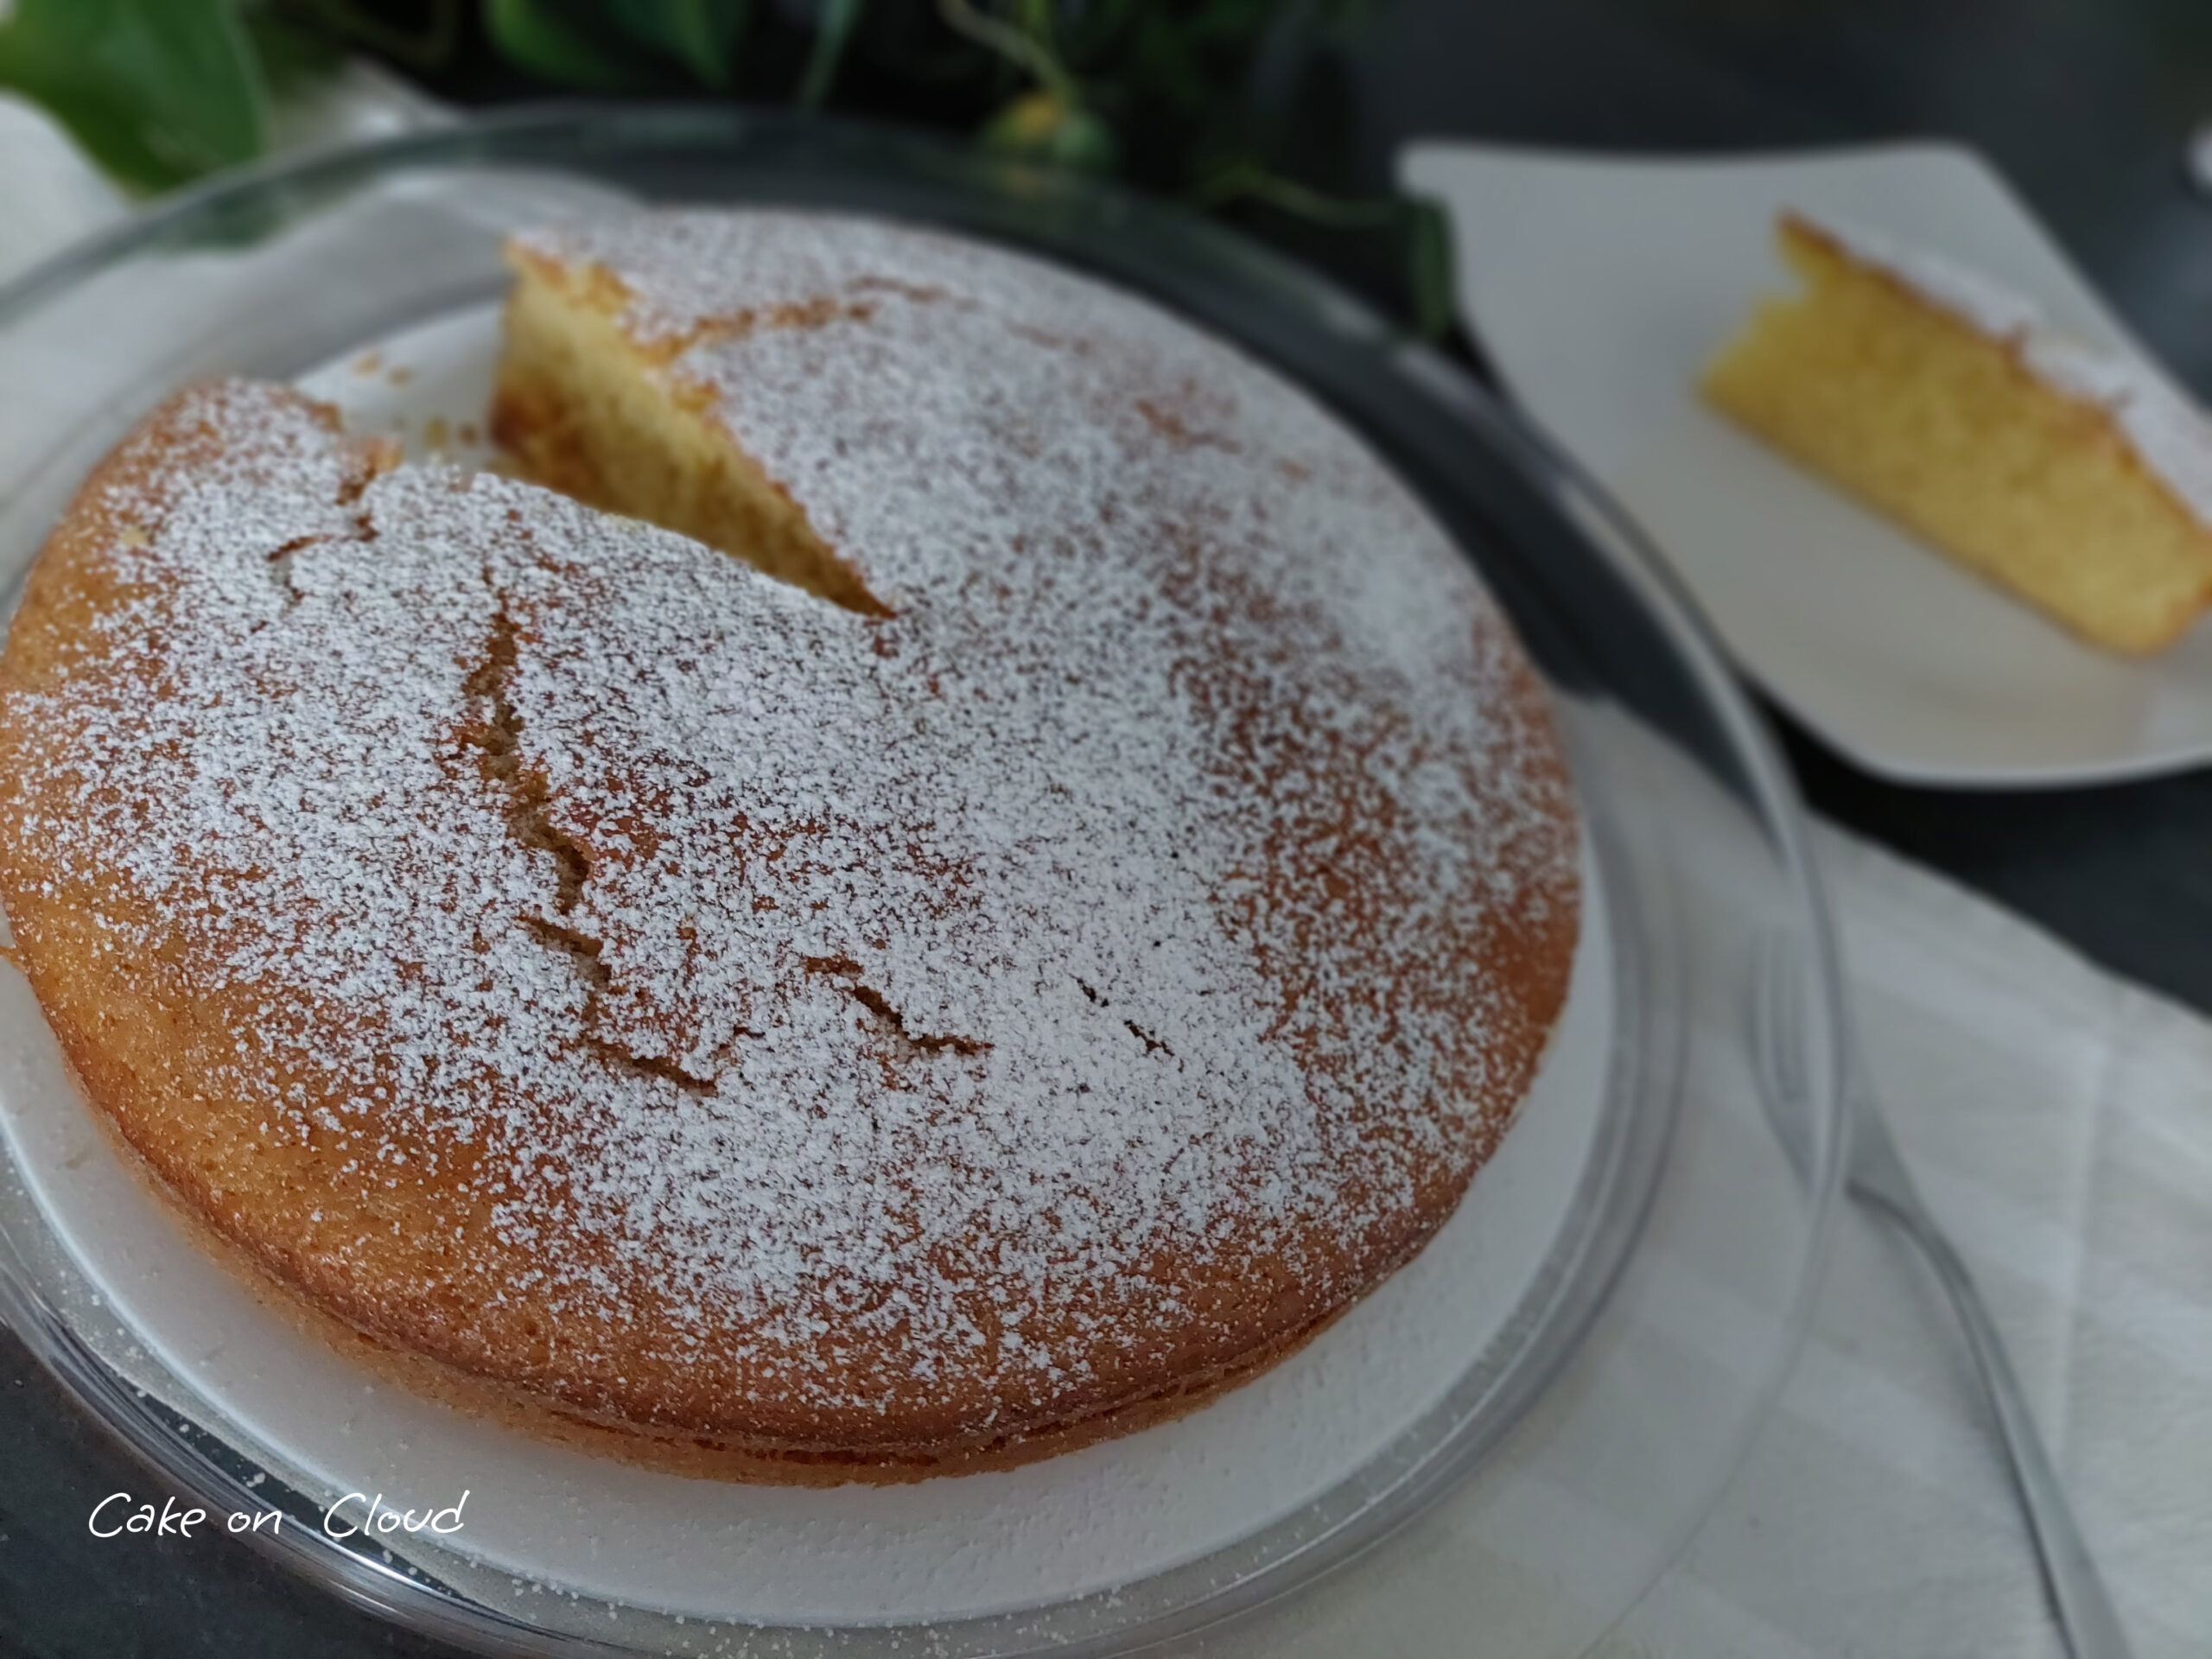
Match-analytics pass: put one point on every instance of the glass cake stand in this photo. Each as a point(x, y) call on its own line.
point(1525, 1506)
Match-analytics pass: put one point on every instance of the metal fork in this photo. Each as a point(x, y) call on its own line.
point(1876, 1176)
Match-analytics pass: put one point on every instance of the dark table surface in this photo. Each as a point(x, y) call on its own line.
point(2085, 105)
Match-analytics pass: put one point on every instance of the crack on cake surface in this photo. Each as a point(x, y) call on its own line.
point(653, 1065)
point(497, 741)
point(280, 561)
point(844, 968)
point(1152, 1045)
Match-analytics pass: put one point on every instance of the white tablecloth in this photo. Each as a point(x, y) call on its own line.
point(2060, 1120)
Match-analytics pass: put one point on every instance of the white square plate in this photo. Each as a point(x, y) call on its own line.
point(1599, 286)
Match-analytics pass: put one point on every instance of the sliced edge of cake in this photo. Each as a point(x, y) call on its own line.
point(2070, 476)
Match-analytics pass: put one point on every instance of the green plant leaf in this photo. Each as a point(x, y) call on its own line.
point(833, 30)
point(158, 91)
point(701, 35)
point(1428, 268)
point(292, 57)
point(572, 43)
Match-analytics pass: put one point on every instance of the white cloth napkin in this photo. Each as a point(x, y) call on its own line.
point(2060, 1122)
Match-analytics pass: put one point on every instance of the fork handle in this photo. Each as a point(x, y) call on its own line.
point(2086, 1615)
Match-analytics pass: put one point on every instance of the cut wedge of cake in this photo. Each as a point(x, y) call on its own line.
point(2070, 476)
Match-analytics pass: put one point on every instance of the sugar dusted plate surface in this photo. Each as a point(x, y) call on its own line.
point(1599, 285)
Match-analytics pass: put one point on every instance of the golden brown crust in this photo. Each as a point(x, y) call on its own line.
point(677, 1451)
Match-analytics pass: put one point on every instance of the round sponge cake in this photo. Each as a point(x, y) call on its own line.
point(1019, 968)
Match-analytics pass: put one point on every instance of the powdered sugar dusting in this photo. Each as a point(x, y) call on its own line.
point(942, 1018)
point(2170, 434)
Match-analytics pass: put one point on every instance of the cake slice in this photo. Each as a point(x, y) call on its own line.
point(2071, 475)
point(583, 407)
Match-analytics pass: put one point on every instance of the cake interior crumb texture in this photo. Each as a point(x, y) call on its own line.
point(1941, 401)
point(582, 411)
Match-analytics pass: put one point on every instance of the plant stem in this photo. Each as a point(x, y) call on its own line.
point(433, 49)
point(1025, 47)
point(832, 31)
point(1247, 181)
